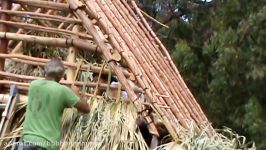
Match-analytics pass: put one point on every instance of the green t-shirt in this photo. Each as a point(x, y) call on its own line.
point(46, 103)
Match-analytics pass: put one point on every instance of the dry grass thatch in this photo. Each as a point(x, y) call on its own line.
point(112, 126)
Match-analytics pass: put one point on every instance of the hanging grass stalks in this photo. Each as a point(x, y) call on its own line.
point(110, 126)
point(16, 126)
point(224, 139)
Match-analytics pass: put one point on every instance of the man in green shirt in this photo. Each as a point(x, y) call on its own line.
point(46, 103)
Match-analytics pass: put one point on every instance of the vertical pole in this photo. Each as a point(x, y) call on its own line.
point(72, 51)
point(6, 5)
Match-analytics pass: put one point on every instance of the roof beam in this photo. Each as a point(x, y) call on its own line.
point(44, 29)
point(44, 4)
point(60, 42)
point(64, 82)
point(30, 78)
point(41, 62)
point(35, 15)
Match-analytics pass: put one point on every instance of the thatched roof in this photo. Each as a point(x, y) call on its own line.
point(113, 29)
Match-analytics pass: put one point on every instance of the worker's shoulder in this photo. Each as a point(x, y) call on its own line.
point(43, 82)
point(63, 87)
point(36, 82)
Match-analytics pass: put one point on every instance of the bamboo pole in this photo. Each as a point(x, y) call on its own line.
point(102, 86)
point(6, 5)
point(24, 98)
point(89, 27)
point(16, 7)
point(163, 49)
point(24, 90)
point(140, 77)
point(34, 15)
point(40, 22)
point(44, 4)
point(41, 62)
point(142, 44)
point(52, 12)
point(112, 37)
point(18, 77)
point(60, 42)
point(139, 40)
point(104, 22)
point(149, 69)
point(71, 58)
point(44, 29)
point(18, 47)
point(4, 98)
point(176, 75)
point(159, 64)
point(20, 30)
point(185, 91)
point(62, 24)
point(153, 19)
point(166, 76)
point(128, 58)
point(166, 115)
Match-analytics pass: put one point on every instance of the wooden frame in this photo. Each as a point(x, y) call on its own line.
point(118, 33)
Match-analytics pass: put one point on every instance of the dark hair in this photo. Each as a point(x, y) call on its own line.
point(54, 68)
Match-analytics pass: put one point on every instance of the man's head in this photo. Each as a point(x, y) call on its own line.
point(54, 69)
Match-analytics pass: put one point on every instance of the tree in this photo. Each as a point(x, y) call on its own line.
point(220, 49)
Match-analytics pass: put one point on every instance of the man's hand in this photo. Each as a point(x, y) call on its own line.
point(75, 89)
point(82, 105)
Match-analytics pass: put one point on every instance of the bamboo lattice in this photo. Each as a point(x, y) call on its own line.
point(115, 31)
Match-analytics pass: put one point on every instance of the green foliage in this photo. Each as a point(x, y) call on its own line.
point(220, 49)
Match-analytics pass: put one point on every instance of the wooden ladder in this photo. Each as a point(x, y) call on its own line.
point(8, 114)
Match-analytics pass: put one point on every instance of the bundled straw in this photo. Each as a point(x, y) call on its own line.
point(110, 125)
point(200, 141)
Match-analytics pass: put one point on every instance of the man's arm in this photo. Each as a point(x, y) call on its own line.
point(82, 104)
